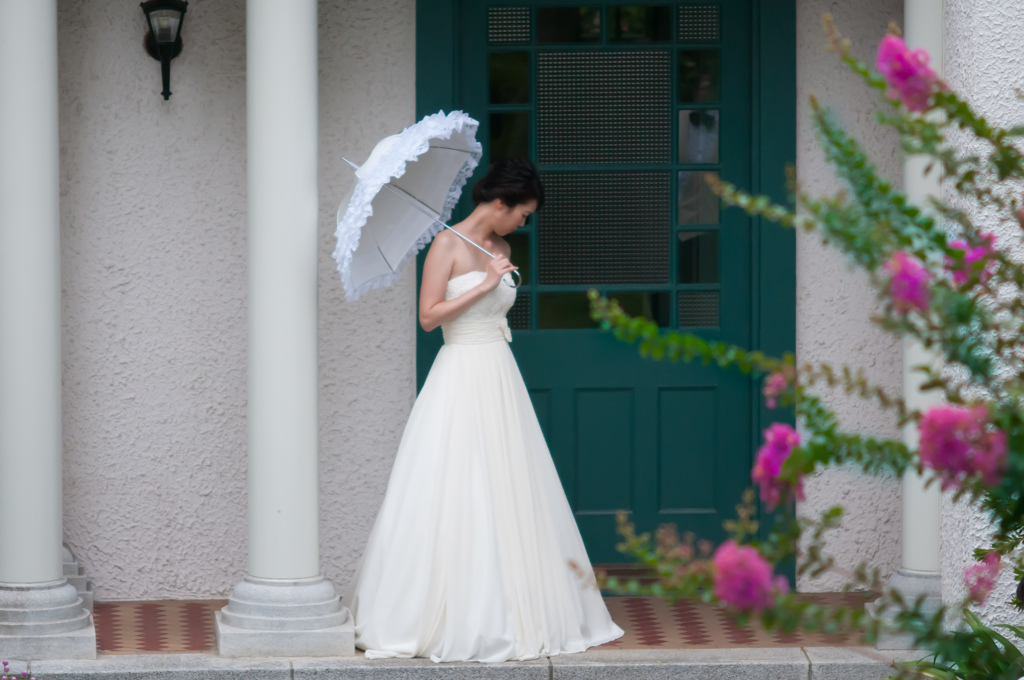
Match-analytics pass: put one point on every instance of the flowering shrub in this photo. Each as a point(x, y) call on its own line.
point(958, 442)
point(981, 578)
point(908, 283)
point(942, 283)
point(779, 441)
point(7, 674)
point(907, 73)
point(743, 579)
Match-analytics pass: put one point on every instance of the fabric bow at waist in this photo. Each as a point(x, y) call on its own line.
point(476, 331)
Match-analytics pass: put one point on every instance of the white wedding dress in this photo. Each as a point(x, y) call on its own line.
point(469, 557)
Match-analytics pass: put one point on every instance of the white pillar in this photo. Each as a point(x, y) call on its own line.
point(41, 615)
point(921, 506)
point(919, 572)
point(284, 607)
point(924, 28)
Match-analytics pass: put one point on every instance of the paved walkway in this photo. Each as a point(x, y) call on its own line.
point(756, 663)
point(174, 640)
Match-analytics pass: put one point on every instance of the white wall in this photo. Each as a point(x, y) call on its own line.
point(154, 275)
point(834, 302)
point(984, 63)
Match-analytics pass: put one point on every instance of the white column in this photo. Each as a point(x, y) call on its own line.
point(41, 615)
point(283, 607)
point(921, 506)
point(283, 383)
point(923, 27)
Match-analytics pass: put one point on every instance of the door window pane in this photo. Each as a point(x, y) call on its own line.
point(698, 257)
point(604, 107)
point(698, 136)
point(568, 24)
point(698, 75)
point(520, 244)
point(698, 23)
point(698, 309)
point(510, 78)
point(605, 228)
point(519, 315)
point(572, 310)
point(510, 135)
point(508, 25)
point(697, 203)
point(639, 24)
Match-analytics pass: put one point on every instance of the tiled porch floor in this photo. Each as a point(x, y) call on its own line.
point(182, 626)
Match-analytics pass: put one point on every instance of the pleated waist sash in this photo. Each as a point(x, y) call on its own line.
point(476, 331)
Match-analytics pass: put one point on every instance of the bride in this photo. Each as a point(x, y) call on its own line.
point(469, 557)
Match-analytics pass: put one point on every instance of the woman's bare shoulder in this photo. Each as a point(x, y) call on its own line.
point(444, 241)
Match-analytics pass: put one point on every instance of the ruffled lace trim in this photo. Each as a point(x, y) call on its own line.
point(408, 146)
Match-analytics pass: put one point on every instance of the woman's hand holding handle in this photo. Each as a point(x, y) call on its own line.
point(496, 269)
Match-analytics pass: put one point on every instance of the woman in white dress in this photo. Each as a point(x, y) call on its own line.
point(470, 555)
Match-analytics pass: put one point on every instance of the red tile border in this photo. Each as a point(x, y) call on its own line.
point(187, 626)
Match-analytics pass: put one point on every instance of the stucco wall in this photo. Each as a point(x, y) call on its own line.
point(834, 302)
point(154, 276)
point(984, 63)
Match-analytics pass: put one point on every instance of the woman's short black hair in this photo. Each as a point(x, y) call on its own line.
point(515, 181)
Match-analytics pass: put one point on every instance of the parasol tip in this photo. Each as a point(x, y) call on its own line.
point(350, 163)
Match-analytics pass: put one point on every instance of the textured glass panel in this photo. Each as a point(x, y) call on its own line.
point(519, 315)
point(698, 257)
point(697, 203)
point(698, 75)
point(508, 25)
point(698, 23)
point(604, 107)
point(639, 23)
point(510, 135)
point(572, 310)
point(564, 310)
point(510, 78)
point(520, 257)
point(610, 227)
point(698, 309)
point(654, 307)
point(698, 136)
point(568, 24)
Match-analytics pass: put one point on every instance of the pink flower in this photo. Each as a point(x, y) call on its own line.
point(957, 442)
point(908, 282)
point(779, 441)
point(971, 257)
point(910, 78)
point(774, 386)
point(743, 579)
point(980, 578)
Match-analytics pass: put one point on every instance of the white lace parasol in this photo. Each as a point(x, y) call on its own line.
point(404, 193)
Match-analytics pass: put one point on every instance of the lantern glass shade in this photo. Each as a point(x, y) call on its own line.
point(165, 24)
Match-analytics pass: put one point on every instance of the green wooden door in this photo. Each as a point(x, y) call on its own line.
point(625, 109)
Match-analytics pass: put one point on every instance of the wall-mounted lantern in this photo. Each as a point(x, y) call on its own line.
point(163, 42)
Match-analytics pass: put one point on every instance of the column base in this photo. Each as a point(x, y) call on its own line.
point(45, 621)
point(74, 572)
point(279, 617)
point(912, 585)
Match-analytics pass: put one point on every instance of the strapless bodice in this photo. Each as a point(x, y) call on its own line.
point(485, 320)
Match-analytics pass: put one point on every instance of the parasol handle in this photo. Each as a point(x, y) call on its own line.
point(424, 209)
